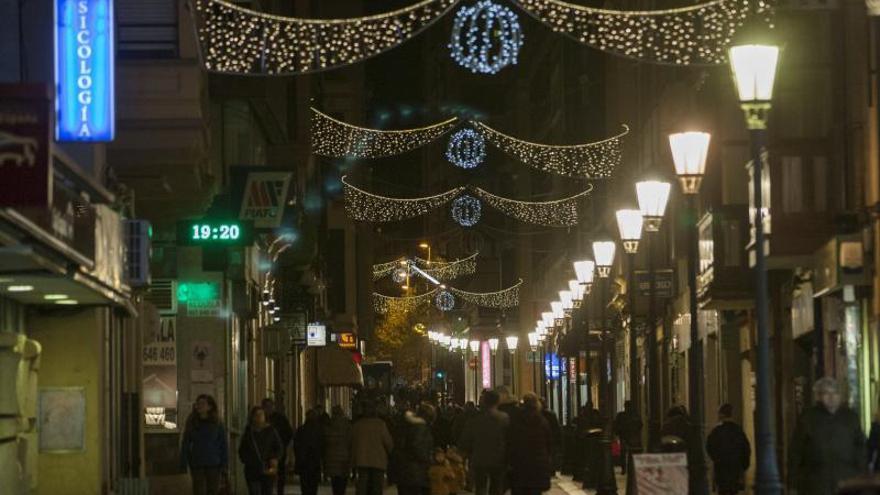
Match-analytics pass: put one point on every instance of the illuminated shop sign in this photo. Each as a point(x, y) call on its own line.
point(84, 51)
point(552, 366)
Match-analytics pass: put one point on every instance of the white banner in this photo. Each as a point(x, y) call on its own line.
point(661, 474)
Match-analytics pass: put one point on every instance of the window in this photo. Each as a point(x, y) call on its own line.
point(820, 183)
point(792, 185)
point(147, 28)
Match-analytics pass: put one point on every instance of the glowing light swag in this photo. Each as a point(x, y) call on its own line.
point(84, 70)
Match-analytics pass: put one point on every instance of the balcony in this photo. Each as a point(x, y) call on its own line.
point(723, 282)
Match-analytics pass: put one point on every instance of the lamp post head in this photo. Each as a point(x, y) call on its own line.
point(653, 196)
point(533, 341)
point(689, 153)
point(629, 223)
point(475, 345)
point(512, 341)
point(493, 345)
point(586, 272)
point(754, 72)
point(577, 292)
point(558, 313)
point(604, 251)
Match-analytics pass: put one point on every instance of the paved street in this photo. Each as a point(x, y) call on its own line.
point(562, 485)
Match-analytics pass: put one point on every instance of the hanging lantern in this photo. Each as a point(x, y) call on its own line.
point(466, 210)
point(486, 37)
point(444, 300)
point(466, 149)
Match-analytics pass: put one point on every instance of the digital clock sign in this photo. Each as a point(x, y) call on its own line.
point(219, 232)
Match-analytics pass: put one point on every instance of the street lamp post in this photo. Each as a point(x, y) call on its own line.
point(512, 341)
point(533, 346)
point(603, 253)
point(630, 222)
point(689, 152)
point(585, 271)
point(652, 196)
point(754, 71)
point(475, 348)
point(493, 348)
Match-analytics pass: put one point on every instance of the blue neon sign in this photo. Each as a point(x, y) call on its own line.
point(84, 70)
point(552, 366)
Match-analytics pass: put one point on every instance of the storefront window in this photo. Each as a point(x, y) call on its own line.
point(160, 375)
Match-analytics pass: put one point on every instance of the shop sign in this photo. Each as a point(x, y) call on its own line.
point(347, 340)
point(84, 70)
point(552, 366)
point(162, 349)
point(486, 357)
point(265, 194)
point(24, 146)
point(202, 299)
point(663, 282)
point(316, 335)
point(661, 474)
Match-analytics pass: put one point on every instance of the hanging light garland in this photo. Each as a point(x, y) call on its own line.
point(236, 40)
point(505, 298)
point(486, 37)
point(335, 139)
point(384, 269)
point(399, 275)
point(502, 299)
point(444, 300)
point(693, 35)
point(466, 149)
point(559, 213)
point(368, 207)
point(449, 270)
point(595, 160)
point(466, 210)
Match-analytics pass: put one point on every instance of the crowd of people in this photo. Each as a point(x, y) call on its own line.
point(501, 444)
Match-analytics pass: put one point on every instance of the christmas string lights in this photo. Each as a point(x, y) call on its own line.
point(558, 213)
point(595, 160)
point(368, 207)
point(486, 37)
point(504, 298)
point(236, 40)
point(383, 269)
point(444, 300)
point(693, 35)
point(466, 149)
point(449, 270)
point(466, 210)
point(335, 139)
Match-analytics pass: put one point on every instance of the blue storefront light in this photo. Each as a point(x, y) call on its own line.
point(84, 70)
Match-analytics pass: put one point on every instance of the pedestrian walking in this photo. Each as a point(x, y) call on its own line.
point(285, 432)
point(308, 447)
point(530, 449)
point(337, 450)
point(627, 426)
point(555, 434)
point(484, 443)
point(828, 445)
point(729, 449)
point(440, 474)
point(416, 452)
point(507, 403)
point(204, 449)
point(259, 451)
point(371, 445)
point(873, 445)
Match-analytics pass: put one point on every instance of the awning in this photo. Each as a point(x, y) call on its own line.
point(337, 366)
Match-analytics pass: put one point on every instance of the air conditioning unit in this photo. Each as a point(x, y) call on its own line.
point(137, 263)
point(162, 293)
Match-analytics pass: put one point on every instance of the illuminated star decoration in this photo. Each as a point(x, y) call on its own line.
point(335, 139)
point(466, 149)
point(692, 35)
point(466, 210)
point(486, 37)
point(364, 206)
point(237, 40)
point(502, 299)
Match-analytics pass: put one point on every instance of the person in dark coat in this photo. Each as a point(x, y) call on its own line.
point(259, 451)
point(307, 447)
point(285, 431)
point(628, 428)
point(530, 449)
point(729, 449)
point(679, 434)
point(873, 445)
point(204, 449)
point(337, 450)
point(484, 442)
point(555, 431)
point(416, 452)
point(371, 445)
point(828, 445)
